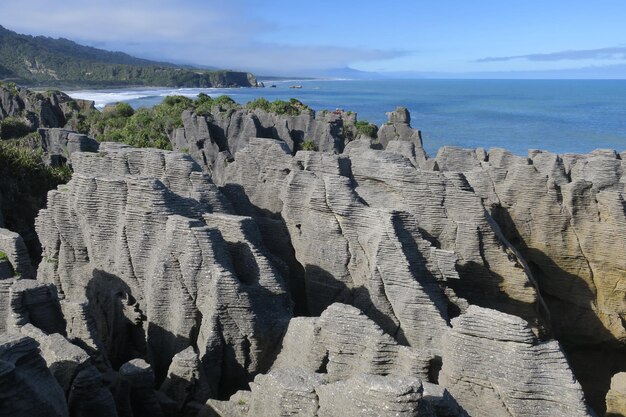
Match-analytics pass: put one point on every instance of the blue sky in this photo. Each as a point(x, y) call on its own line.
point(294, 37)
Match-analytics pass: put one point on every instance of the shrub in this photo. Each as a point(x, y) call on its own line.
point(123, 110)
point(260, 103)
point(366, 128)
point(308, 145)
point(13, 127)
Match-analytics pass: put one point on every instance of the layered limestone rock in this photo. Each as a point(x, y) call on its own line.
point(59, 144)
point(36, 303)
point(38, 110)
point(12, 248)
point(14, 264)
point(398, 129)
point(343, 343)
point(186, 382)
point(27, 388)
point(494, 365)
point(371, 258)
point(451, 216)
point(288, 392)
point(74, 371)
point(566, 215)
point(214, 140)
point(128, 234)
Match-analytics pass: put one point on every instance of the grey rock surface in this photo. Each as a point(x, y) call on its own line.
point(494, 365)
point(27, 388)
point(186, 382)
point(565, 214)
point(12, 245)
point(36, 303)
point(294, 391)
point(129, 233)
point(50, 109)
point(343, 342)
point(58, 145)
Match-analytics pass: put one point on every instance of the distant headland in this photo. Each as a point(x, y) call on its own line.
point(37, 61)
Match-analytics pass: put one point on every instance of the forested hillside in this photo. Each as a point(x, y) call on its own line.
point(39, 60)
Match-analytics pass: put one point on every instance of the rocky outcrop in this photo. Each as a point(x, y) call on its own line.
point(420, 286)
point(565, 215)
point(133, 233)
point(12, 248)
point(343, 343)
point(494, 365)
point(59, 144)
point(215, 139)
point(52, 109)
point(298, 392)
point(398, 129)
point(27, 388)
point(36, 303)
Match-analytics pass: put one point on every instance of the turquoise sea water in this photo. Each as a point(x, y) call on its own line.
point(556, 115)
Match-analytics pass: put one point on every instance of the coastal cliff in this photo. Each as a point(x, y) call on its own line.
point(305, 263)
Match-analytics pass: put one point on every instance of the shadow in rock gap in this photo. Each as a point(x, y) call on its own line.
point(594, 354)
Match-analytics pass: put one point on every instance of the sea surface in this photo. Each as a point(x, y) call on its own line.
point(564, 116)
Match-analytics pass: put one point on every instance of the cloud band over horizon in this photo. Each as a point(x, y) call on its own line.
point(611, 53)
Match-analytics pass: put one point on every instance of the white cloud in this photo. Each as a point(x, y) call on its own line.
point(218, 33)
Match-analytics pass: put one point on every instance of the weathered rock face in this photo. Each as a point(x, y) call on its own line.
point(398, 129)
point(214, 140)
point(158, 290)
point(59, 144)
point(27, 388)
point(362, 260)
point(128, 235)
point(566, 216)
point(39, 110)
point(494, 365)
point(13, 247)
point(288, 392)
point(343, 343)
point(451, 216)
point(616, 397)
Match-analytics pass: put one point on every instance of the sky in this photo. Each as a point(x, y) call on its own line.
point(402, 37)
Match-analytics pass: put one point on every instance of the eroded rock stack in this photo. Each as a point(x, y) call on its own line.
point(418, 282)
point(566, 216)
point(133, 237)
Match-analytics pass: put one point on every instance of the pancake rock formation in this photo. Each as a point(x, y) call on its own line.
point(249, 277)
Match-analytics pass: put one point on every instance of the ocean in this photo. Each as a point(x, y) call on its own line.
point(564, 116)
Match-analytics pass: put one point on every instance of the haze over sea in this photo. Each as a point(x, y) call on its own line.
point(564, 116)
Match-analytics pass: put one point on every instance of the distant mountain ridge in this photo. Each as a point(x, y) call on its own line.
point(40, 60)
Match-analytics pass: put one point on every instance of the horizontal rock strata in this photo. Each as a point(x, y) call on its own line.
point(127, 235)
point(494, 365)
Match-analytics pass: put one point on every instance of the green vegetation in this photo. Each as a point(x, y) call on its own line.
point(5, 257)
point(292, 107)
point(144, 128)
point(308, 145)
point(366, 128)
point(45, 61)
point(25, 183)
point(21, 161)
point(13, 127)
